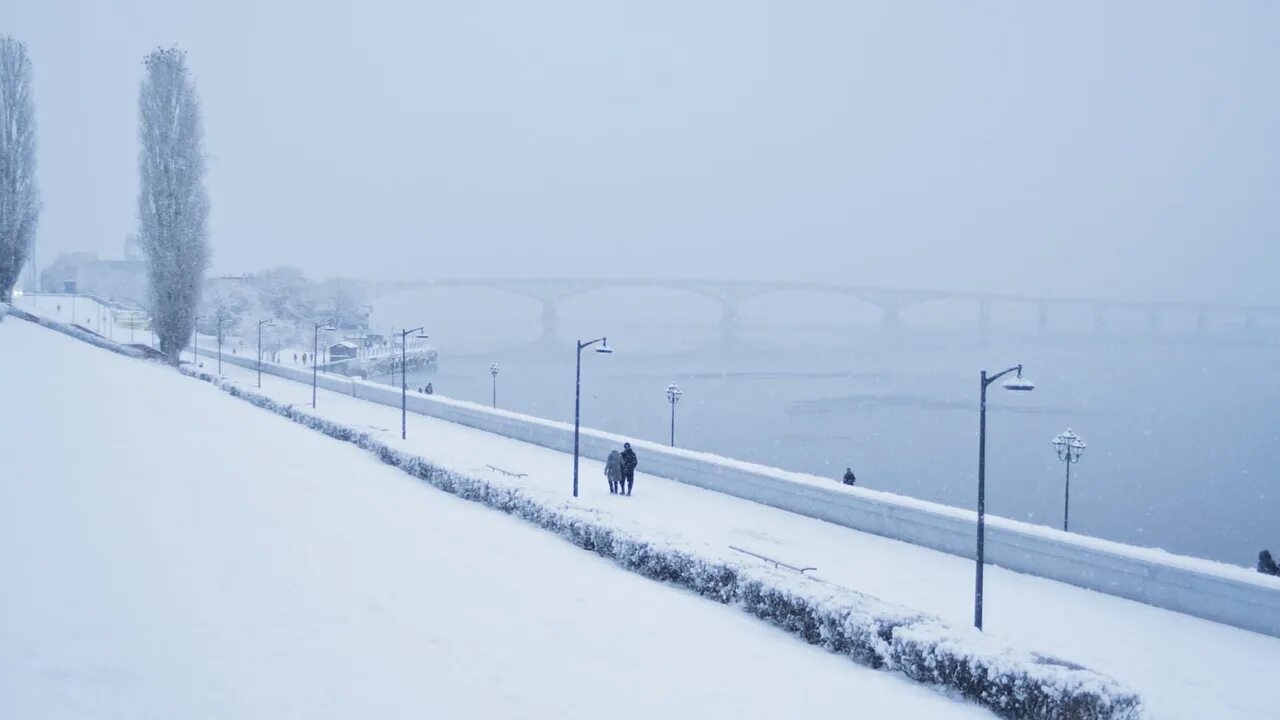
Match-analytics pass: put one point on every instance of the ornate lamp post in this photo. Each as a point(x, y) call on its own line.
point(1017, 383)
point(1070, 447)
point(673, 397)
point(493, 370)
point(577, 400)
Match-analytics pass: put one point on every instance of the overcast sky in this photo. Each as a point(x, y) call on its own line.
point(1126, 149)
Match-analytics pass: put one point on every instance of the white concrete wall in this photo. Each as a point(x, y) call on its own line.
point(1215, 591)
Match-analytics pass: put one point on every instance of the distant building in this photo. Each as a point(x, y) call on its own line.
point(120, 280)
point(342, 351)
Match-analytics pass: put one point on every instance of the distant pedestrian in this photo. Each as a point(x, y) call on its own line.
point(849, 479)
point(295, 358)
point(429, 389)
point(613, 471)
point(304, 358)
point(1266, 565)
point(629, 462)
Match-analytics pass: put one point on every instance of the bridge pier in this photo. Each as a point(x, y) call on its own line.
point(984, 319)
point(1250, 319)
point(890, 318)
point(730, 325)
point(1153, 320)
point(1202, 321)
point(1099, 319)
point(1042, 317)
point(550, 322)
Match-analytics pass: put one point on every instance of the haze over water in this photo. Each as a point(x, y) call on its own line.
point(1183, 432)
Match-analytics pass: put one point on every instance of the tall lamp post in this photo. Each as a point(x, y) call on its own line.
point(577, 400)
point(1015, 383)
point(315, 344)
point(1070, 447)
point(219, 343)
point(404, 385)
point(673, 397)
point(261, 324)
point(493, 370)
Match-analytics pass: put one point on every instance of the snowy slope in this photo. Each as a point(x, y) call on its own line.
point(1184, 667)
point(171, 552)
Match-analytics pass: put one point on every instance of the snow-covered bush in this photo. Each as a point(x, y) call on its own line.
point(76, 332)
point(1011, 683)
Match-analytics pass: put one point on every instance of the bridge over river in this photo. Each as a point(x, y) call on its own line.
point(1159, 319)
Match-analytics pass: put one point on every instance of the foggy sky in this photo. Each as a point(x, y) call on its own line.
point(1115, 149)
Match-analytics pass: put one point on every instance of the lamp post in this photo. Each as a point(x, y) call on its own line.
point(673, 397)
point(493, 370)
point(404, 385)
point(315, 344)
point(219, 343)
point(1018, 383)
point(577, 400)
point(1070, 447)
point(261, 324)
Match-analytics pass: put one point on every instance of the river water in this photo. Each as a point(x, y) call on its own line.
point(1183, 436)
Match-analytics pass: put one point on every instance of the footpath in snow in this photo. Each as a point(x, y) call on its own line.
point(169, 551)
point(1183, 667)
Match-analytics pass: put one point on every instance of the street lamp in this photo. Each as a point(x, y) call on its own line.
point(315, 344)
point(404, 385)
point(219, 343)
point(261, 324)
point(577, 401)
point(493, 370)
point(1016, 383)
point(673, 397)
point(1070, 447)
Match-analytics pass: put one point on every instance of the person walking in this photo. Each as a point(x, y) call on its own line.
point(1266, 565)
point(849, 478)
point(613, 471)
point(629, 462)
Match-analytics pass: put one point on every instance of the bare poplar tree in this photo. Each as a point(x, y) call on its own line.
point(173, 208)
point(19, 196)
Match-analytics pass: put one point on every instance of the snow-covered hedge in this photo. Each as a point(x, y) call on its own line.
point(74, 331)
point(1012, 683)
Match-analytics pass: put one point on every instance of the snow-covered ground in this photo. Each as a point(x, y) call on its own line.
point(169, 551)
point(1184, 667)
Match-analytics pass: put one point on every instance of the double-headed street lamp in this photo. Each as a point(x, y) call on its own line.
point(577, 401)
point(404, 385)
point(1070, 447)
point(261, 324)
point(673, 397)
point(493, 370)
point(315, 346)
point(1016, 383)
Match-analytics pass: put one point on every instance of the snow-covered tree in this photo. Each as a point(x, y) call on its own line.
point(222, 309)
point(173, 207)
point(19, 197)
point(284, 293)
point(339, 302)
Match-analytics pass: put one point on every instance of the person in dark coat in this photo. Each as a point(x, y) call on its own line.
point(613, 471)
point(629, 463)
point(849, 479)
point(1266, 565)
